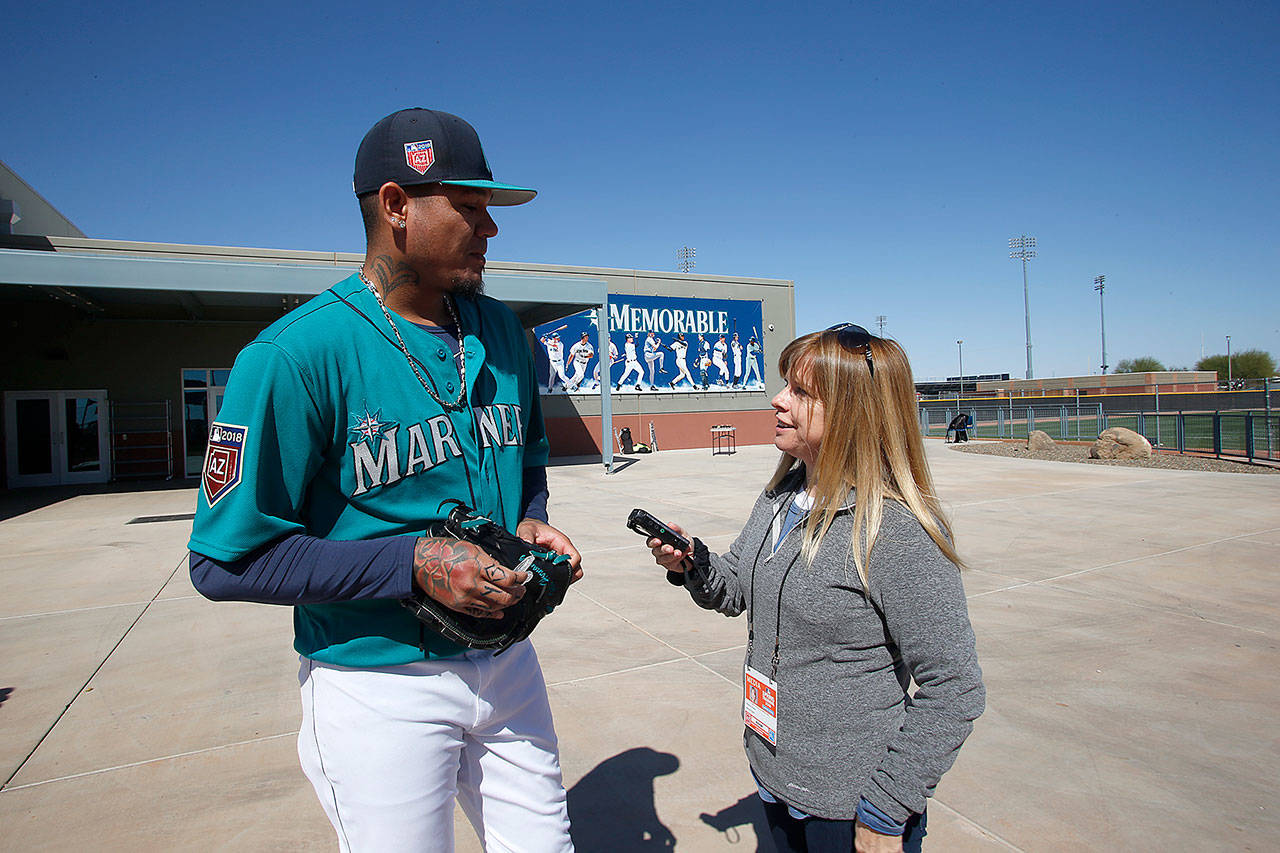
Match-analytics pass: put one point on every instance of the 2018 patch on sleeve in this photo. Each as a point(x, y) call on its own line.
point(223, 461)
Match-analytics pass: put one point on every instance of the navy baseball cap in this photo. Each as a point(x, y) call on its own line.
point(419, 146)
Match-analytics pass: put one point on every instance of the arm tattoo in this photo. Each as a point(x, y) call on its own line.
point(392, 275)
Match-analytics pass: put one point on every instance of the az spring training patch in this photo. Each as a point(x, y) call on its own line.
point(223, 461)
point(419, 155)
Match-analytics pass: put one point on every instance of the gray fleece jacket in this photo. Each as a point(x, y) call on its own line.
point(847, 726)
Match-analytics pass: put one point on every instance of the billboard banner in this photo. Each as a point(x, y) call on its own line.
point(658, 344)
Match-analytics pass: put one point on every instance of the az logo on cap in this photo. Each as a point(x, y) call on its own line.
point(419, 155)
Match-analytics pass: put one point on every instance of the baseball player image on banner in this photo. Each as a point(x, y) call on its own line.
point(632, 364)
point(680, 347)
point(357, 433)
point(753, 365)
point(648, 326)
point(720, 350)
point(704, 361)
point(613, 359)
point(653, 355)
point(580, 354)
point(555, 358)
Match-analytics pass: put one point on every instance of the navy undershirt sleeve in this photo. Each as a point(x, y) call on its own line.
point(533, 503)
point(303, 569)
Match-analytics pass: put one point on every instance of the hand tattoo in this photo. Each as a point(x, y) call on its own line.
point(451, 572)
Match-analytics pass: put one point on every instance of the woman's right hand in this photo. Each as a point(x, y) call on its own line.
point(666, 556)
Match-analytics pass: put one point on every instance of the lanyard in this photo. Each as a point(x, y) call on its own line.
point(751, 604)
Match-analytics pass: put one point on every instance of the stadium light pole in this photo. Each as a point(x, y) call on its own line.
point(880, 318)
point(685, 258)
point(960, 349)
point(1023, 248)
point(1100, 285)
point(1228, 362)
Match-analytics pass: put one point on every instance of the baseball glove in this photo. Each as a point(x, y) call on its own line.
point(549, 576)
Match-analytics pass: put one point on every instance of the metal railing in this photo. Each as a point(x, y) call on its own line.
point(1251, 435)
point(1063, 423)
point(1254, 436)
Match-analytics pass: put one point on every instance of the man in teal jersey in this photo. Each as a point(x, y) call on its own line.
point(346, 428)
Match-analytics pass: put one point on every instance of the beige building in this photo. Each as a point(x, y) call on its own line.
point(116, 353)
point(1168, 381)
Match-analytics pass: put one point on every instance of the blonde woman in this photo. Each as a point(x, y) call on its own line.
point(851, 586)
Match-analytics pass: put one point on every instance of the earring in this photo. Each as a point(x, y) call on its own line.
point(400, 223)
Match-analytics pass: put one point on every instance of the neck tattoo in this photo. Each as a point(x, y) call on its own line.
point(447, 405)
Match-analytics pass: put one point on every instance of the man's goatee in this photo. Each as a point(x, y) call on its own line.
point(468, 287)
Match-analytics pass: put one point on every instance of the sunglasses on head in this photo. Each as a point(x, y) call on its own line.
point(851, 337)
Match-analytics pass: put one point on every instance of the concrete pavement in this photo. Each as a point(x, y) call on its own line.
point(1126, 619)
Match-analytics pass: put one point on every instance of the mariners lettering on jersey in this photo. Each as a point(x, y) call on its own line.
point(223, 460)
point(376, 456)
point(419, 155)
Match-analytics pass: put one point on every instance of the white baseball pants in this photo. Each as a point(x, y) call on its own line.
point(579, 371)
point(632, 365)
point(389, 749)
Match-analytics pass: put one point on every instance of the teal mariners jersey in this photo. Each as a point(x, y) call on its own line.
point(326, 431)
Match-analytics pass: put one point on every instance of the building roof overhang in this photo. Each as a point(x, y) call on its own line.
point(159, 281)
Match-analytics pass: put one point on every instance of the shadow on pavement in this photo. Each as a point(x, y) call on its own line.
point(611, 808)
point(16, 502)
point(745, 811)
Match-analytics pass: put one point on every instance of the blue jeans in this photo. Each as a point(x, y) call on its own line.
point(818, 835)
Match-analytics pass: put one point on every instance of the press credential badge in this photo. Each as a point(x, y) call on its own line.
point(760, 704)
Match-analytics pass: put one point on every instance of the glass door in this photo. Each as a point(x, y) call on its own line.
point(31, 451)
point(202, 392)
point(56, 437)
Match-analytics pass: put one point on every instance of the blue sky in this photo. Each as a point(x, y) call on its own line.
point(878, 154)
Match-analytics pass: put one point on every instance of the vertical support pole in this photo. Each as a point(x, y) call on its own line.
point(1217, 434)
point(1248, 435)
point(606, 386)
point(1180, 426)
point(1063, 429)
point(1266, 402)
point(1157, 413)
point(1026, 301)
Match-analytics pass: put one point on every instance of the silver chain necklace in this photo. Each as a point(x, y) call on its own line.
point(462, 360)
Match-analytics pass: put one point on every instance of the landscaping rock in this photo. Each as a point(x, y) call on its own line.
point(1040, 440)
point(1120, 443)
